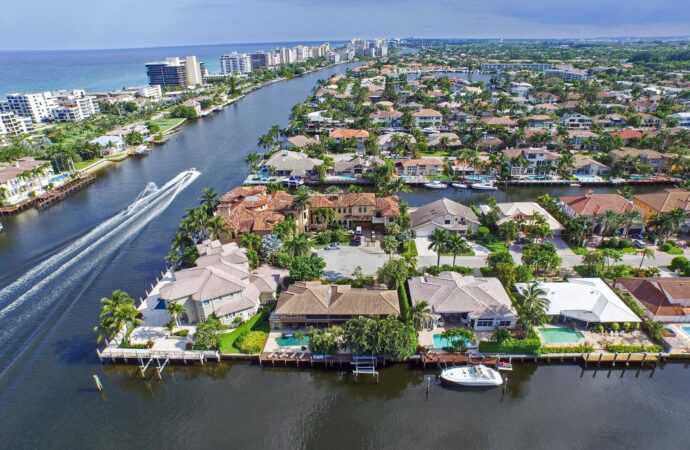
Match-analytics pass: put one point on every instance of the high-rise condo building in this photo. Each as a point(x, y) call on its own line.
point(176, 72)
point(235, 63)
point(38, 107)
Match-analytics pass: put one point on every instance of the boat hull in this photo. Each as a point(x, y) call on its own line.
point(459, 185)
point(436, 186)
point(484, 187)
point(472, 376)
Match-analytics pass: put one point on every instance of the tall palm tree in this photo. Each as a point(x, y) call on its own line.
point(646, 253)
point(252, 160)
point(579, 230)
point(298, 246)
point(215, 226)
point(420, 314)
point(389, 244)
point(175, 310)
point(118, 314)
point(300, 200)
point(251, 241)
point(628, 219)
point(457, 245)
point(608, 221)
point(209, 200)
point(438, 242)
point(324, 216)
point(532, 306)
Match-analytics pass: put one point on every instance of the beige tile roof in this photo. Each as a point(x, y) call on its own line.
point(667, 200)
point(313, 298)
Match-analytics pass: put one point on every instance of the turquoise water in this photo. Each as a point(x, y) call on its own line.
point(585, 177)
point(560, 335)
point(57, 178)
point(293, 341)
point(441, 342)
point(687, 330)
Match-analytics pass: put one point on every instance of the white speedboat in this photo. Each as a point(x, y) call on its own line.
point(1, 228)
point(436, 185)
point(479, 375)
point(459, 185)
point(484, 186)
point(617, 180)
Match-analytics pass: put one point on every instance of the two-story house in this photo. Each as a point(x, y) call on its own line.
point(531, 161)
point(576, 121)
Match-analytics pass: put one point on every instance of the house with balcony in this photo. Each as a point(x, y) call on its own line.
point(356, 167)
point(579, 138)
point(386, 118)
point(663, 299)
point(419, 167)
point(525, 162)
point(22, 179)
point(444, 214)
point(656, 203)
point(592, 206)
point(222, 284)
point(585, 165)
point(427, 118)
point(657, 160)
point(539, 121)
point(358, 137)
point(288, 163)
point(576, 121)
point(312, 304)
point(354, 210)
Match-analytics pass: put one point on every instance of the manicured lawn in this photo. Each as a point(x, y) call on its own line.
point(257, 323)
point(167, 123)
point(495, 245)
point(441, 153)
point(81, 164)
point(410, 248)
point(628, 251)
point(578, 250)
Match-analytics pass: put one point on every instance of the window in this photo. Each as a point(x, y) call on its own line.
point(485, 323)
point(504, 323)
point(447, 221)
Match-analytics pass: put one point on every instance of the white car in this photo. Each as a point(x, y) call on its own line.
point(333, 246)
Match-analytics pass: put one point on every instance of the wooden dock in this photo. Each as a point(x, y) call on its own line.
point(443, 360)
point(305, 358)
point(51, 197)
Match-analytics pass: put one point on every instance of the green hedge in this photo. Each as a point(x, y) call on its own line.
point(622, 348)
point(679, 263)
point(259, 322)
point(512, 346)
point(404, 302)
point(631, 303)
point(251, 342)
point(582, 348)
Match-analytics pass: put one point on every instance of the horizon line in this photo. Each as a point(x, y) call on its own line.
point(680, 37)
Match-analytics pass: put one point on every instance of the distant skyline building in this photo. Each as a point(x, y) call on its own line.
point(261, 60)
point(235, 63)
point(175, 71)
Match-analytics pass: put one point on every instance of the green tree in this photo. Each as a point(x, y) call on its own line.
point(207, 335)
point(532, 306)
point(508, 231)
point(420, 314)
point(298, 246)
point(438, 241)
point(393, 273)
point(389, 244)
point(645, 253)
point(209, 200)
point(118, 314)
point(306, 268)
point(175, 311)
point(457, 245)
point(325, 341)
point(459, 338)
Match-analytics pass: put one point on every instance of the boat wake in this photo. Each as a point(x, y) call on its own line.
point(73, 264)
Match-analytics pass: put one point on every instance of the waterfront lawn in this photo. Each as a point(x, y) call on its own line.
point(409, 248)
point(166, 124)
point(259, 322)
point(85, 163)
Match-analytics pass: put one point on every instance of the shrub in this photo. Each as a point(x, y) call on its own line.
point(306, 268)
point(181, 333)
point(483, 232)
point(251, 342)
point(600, 328)
point(500, 336)
point(582, 348)
point(529, 345)
point(404, 303)
point(435, 270)
point(679, 263)
point(615, 326)
point(622, 348)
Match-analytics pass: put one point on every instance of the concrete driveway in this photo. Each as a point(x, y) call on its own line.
point(341, 263)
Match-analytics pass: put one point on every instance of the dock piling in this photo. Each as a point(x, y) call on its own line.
point(99, 386)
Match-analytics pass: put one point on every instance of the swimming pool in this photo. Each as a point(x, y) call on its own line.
point(57, 178)
point(293, 341)
point(441, 342)
point(586, 177)
point(686, 329)
point(560, 335)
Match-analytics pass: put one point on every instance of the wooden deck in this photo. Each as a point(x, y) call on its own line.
point(445, 359)
point(308, 359)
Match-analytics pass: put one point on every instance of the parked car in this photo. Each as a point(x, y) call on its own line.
point(639, 243)
point(333, 246)
point(358, 231)
point(358, 240)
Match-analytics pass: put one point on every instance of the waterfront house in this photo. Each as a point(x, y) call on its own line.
point(22, 179)
point(657, 203)
point(354, 210)
point(427, 118)
point(683, 119)
point(444, 214)
point(525, 162)
point(310, 303)
point(221, 283)
point(658, 161)
point(664, 299)
point(592, 206)
point(357, 166)
point(419, 167)
point(525, 212)
point(298, 142)
point(585, 165)
point(576, 121)
point(358, 137)
point(289, 163)
point(194, 104)
point(480, 303)
point(110, 143)
point(584, 300)
point(386, 118)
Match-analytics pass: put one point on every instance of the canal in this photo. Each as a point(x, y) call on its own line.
point(47, 346)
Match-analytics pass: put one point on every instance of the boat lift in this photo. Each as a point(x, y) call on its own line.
point(365, 365)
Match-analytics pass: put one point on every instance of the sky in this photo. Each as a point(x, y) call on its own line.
point(91, 24)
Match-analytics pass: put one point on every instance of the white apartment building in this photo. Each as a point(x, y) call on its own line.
point(37, 106)
point(287, 55)
point(195, 74)
point(235, 63)
point(73, 105)
point(11, 125)
point(153, 92)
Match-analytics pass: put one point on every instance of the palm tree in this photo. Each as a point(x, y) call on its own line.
point(215, 226)
point(532, 306)
point(629, 218)
point(646, 253)
point(118, 314)
point(438, 242)
point(300, 200)
point(625, 191)
point(298, 246)
point(457, 245)
point(175, 310)
point(251, 241)
point(579, 230)
point(209, 200)
point(252, 160)
point(389, 244)
point(420, 314)
point(608, 221)
point(324, 216)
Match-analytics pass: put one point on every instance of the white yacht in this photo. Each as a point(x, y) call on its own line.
point(436, 185)
point(459, 185)
point(1, 228)
point(484, 186)
point(479, 375)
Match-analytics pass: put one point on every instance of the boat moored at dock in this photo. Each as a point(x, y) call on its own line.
point(436, 185)
point(479, 376)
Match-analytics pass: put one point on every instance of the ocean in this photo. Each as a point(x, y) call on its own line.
point(105, 70)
